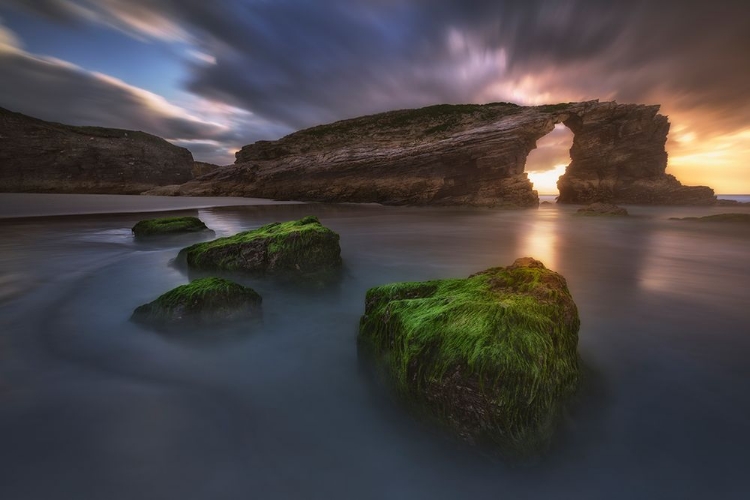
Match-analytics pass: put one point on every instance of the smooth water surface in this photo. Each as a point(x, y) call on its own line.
point(93, 406)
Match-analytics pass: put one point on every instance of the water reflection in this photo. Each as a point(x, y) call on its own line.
point(538, 238)
point(101, 408)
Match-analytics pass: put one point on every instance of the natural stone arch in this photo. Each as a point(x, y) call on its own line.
point(461, 155)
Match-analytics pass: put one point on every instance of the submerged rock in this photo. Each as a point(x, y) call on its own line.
point(492, 357)
point(168, 225)
point(203, 301)
point(300, 248)
point(607, 209)
point(741, 218)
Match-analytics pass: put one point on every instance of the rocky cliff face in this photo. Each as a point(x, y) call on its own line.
point(460, 155)
point(39, 156)
point(618, 156)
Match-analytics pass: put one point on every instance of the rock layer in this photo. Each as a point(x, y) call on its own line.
point(40, 156)
point(460, 155)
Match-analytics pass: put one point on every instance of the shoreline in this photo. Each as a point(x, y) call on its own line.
point(21, 205)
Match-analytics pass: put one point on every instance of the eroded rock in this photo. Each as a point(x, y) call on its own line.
point(604, 209)
point(461, 155)
point(492, 357)
point(168, 225)
point(201, 302)
point(297, 248)
point(40, 156)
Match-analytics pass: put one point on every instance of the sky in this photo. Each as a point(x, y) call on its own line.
point(215, 75)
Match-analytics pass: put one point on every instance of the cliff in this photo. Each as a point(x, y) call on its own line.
point(460, 155)
point(40, 156)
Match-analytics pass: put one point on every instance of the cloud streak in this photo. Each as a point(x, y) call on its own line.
point(293, 64)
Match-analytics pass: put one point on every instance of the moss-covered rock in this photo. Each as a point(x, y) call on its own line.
point(168, 225)
point(492, 357)
point(599, 209)
point(300, 248)
point(737, 218)
point(203, 301)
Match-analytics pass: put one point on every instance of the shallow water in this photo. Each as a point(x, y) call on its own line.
point(94, 406)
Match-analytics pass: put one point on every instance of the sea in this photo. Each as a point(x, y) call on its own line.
point(94, 406)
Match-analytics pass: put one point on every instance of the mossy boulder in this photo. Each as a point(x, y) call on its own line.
point(168, 225)
point(203, 301)
point(299, 248)
point(602, 209)
point(735, 218)
point(493, 357)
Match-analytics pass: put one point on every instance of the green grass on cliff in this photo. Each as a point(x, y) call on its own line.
point(513, 331)
point(449, 114)
point(168, 225)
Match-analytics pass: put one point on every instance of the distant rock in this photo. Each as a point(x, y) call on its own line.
point(202, 168)
point(605, 209)
point(302, 248)
point(168, 225)
point(460, 155)
point(731, 203)
point(202, 302)
point(492, 357)
point(40, 156)
point(734, 218)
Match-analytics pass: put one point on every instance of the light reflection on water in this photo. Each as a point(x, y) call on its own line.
point(93, 406)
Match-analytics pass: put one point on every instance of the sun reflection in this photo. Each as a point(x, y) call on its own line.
point(539, 239)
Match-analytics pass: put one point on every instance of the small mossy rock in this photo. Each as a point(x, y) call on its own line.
point(735, 218)
point(492, 357)
point(606, 209)
point(300, 248)
point(168, 225)
point(203, 301)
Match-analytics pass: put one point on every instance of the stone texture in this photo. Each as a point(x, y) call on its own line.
point(40, 156)
point(459, 155)
point(599, 208)
point(618, 156)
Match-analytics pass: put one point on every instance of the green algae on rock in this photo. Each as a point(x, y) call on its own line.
point(731, 217)
point(203, 301)
point(168, 225)
point(602, 209)
point(492, 357)
point(299, 248)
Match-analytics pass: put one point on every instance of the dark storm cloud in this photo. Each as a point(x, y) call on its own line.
point(307, 62)
point(301, 63)
point(58, 91)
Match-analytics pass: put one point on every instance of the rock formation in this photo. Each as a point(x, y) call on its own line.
point(492, 357)
point(299, 249)
point(460, 155)
point(205, 301)
point(602, 209)
point(40, 156)
point(167, 226)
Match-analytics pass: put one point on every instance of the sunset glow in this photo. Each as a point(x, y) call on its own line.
point(174, 72)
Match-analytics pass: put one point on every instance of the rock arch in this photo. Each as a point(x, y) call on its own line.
point(461, 155)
